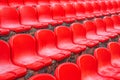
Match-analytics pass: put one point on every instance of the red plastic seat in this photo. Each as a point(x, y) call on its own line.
point(59, 13)
point(3, 3)
point(24, 52)
point(115, 6)
point(54, 1)
point(116, 20)
point(68, 71)
point(105, 68)
point(110, 7)
point(70, 12)
point(44, 2)
point(30, 2)
point(88, 65)
point(28, 16)
point(91, 32)
point(103, 8)
point(79, 35)
point(65, 40)
point(73, 1)
point(80, 10)
point(110, 25)
point(43, 77)
point(4, 32)
point(15, 3)
point(89, 10)
point(64, 1)
point(8, 70)
point(118, 3)
point(45, 15)
point(101, 28)
point(47, 45)
point(114, 49)
point(9, 19)
point(96, 9)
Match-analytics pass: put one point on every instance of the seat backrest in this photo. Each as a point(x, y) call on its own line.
point(44, 2)
point(28, 14)
point(3, 3)
point(103, 6)
point(63, 34)
point(87, 64)
point(96, 6)
point(115, 5)
point(15, 3)
point(88, 7)
point(69, 10)
point(68, 71)
point(5, 56)
point(30, 2)
point(109, 5)
point(8, 16)
point(80, 9)
point(114, 49)
point(109, 22)
point(116, 19)
point(22, 45)
point(44, 13)
point(57, 11)
point(78, 31)
point(90, 27)
point(103, 57)
point(64, 1)
point(45, 38)
point(118, 2)
point(100, 24)
point(54, 1)
point(43, 77)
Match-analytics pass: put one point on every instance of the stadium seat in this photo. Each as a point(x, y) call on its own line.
point(24, 52)
point(3, 3)
point(115, 6)
point(116, 20)
point(96, 9)
point(64, 1)
point(30, 2)
point(9, 19)
point(44, 2)
point(110, 25)
point(67, 71)
point(110, 7)
point(101, 28)
point(118, 2)
point(59, 13)
point(79, 35)
point(80, 10)
point(8, 70)
point(47, 45)
point(91, 32)
point(70, 12)
point(103, 6)
point(54, 2)
point(89, 10)
point(114, 49)
point(15, 3)
point(105, 68)
point(4, 32)
point(45, 15)
point(43, 77)
point(65, 40)
point(88, 65)
point(73, 1)
point(28, 16)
